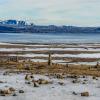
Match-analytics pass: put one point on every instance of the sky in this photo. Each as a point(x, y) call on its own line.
point(47, 12)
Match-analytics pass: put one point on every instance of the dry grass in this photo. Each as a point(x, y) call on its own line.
point(44, 68)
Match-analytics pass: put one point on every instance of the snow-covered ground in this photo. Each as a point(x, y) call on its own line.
point(82, 55)
point(10, 49)
point(39, 60)
point(30, 55)
point(54, 61)
point(91, 51)
point(51, 91)
point(41, 49)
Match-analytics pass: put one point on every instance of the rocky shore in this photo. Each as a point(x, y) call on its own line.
point(29, 86)
point(53, 72)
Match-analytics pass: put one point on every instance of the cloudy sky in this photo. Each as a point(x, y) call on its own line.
point(59, 12)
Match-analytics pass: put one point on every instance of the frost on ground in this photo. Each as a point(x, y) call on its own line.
point(84, 54)
point(69, 90)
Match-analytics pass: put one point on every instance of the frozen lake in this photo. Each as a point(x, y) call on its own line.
point(50, 37)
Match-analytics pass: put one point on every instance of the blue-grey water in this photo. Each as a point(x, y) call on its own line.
point(50, 38)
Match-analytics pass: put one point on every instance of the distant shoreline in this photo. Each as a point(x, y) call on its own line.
point(47, 29)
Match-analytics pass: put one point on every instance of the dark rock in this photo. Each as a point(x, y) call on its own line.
point(2, 94)
point(31, 76)
point(6, 73)
point(5, 92)
point(73, 76)
point(74, 93)
point(86, 94)
point(53, 87)
point(27, 82)
point(12, 89)
point(83, 82)
point(60, 83)
point(42, 81)
point(21, 91)
point(75, 81)
point(59, 76)
point(84, 76)
point(14, 94)
point(1, 82)
point(36, 84)
point(94, 77)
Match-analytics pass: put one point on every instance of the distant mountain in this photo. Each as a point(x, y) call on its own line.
point(14, 26)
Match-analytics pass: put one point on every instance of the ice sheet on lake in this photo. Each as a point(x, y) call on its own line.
point(39, 60)
point(30, 55)
point(57, 49)
point(82, 55)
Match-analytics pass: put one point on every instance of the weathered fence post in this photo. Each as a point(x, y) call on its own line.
point(17, 58)
point(49, 60)
point(98, 66)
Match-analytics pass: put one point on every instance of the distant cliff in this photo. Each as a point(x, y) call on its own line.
point(13, 26)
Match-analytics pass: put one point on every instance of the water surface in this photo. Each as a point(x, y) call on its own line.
point(50, 37)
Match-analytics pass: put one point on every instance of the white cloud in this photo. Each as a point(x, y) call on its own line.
point(77, 12)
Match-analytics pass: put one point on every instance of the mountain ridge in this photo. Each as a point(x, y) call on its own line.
point(14, 26)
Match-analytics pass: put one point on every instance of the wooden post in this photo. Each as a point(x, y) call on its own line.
point(97, 63)
point(67, 65)
point(17, 59)
point(98, 66)
point(49, 60)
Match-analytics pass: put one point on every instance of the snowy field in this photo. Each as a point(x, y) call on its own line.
point(50, 48)
point(52, 91)
point(82, 55)
point(37, 52)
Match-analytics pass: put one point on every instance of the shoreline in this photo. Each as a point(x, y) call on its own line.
point(60, 57)
point(44, 71)
point(24, 86)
